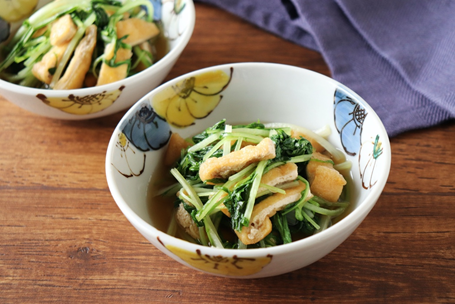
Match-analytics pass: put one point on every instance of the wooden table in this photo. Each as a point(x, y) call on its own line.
point(63, 239)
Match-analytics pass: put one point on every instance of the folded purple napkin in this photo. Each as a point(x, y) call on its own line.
point(398, 55)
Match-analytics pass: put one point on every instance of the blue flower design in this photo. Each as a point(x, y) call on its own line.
point(156, 9)
point(146, 130)
point(349, 117)
point(4, 30)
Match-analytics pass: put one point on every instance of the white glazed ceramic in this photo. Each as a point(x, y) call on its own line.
point(244, 93)
point(107, 99)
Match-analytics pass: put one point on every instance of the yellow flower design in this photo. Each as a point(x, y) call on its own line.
point(122, 140)
point(15, 10)
point(82, 105)
point(191, 99)
point(129, 167)
point(230, 266)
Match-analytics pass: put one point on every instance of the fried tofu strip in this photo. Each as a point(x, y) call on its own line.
point(62, 30)
point(50, 60)
point(260, 224)
point(136, 30)
point(314, 164)
point(279, 175)
point(80, 63)
point(317, 147)
point(325, 181)
point(111, 74)
point(186, 222)
point(229, 164)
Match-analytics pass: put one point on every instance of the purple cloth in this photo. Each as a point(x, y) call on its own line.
point(399, 55)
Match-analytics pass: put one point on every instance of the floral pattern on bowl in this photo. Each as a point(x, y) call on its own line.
point(130, 166)
point(193, 98)
point(4, 30)
point(369, 155)
point(171, 19)
point(15, 10)
point(349, 118)
point(221, 265)
point(144, 131)
point(82, 105)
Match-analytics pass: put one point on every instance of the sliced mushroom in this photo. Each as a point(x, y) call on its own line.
point(62, 30)
point(260, 224)
point(229, 164)
point(80, 63)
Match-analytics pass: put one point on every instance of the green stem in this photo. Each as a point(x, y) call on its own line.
point(254, 188)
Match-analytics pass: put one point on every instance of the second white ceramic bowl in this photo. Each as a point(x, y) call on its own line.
point(87, 103)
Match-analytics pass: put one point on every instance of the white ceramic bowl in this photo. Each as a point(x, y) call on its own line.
point(248, 92)
point(110, 98)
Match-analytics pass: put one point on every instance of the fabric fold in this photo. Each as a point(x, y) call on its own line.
point(398, 55)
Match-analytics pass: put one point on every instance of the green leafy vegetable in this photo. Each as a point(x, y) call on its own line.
point(280, 223)
point(28, 46)
point(238, 195)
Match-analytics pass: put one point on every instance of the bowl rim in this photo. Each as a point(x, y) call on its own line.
point(351, 220)
point(173, 54)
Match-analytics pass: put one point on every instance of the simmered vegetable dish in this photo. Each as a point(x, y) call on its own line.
point(256, 185)
point(74, 44)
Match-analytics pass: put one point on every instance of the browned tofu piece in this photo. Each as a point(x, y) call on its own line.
point(328, 183)
point(314, 164)
point(186, 222)
point(260, 224)
point(40, 31)
point(279, 175)
point(174, 149)
point(317, 147)
point(223, 208)
point(137, 30)
point(227, 165)
point(111, 74)
point(62, 30)
point(80, 63)
point(325, 181)
point(50, 60)
point(276, 176)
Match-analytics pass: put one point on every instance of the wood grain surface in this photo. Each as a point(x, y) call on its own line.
point(63, 239)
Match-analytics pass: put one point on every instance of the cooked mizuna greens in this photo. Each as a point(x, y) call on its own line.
point(73, 44)
point(252, 186)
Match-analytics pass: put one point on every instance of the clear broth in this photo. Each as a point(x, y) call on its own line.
point(160, 207)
